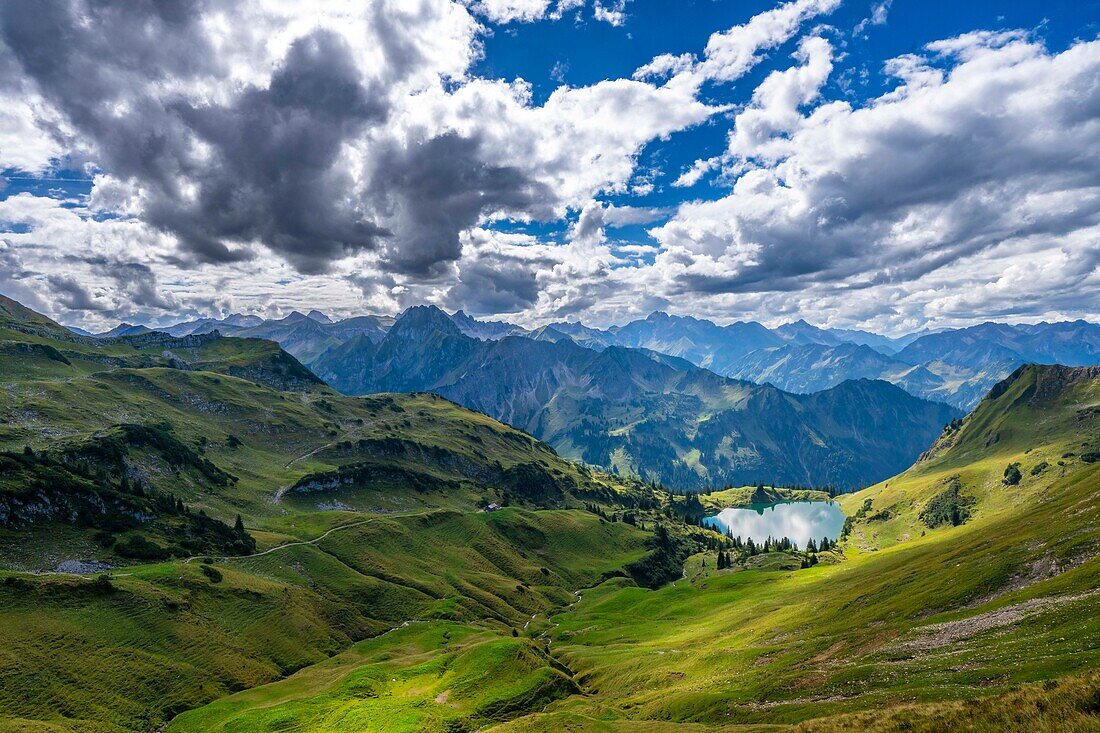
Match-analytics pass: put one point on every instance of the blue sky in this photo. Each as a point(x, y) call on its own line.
point(578, 50)
point(891, 166)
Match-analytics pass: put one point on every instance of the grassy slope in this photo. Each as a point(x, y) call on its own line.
point(909, 632)
point(894, 623)
point(167, 639)
point(911, 616)
point(285, 435)
point(418, 678)
point(162, 638)
point(482, 575)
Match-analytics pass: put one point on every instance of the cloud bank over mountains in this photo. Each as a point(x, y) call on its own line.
point(268, 156)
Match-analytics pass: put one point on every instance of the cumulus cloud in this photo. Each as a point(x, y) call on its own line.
point(613, 12)
point(74, 296)
point(347, 155)
point(730, 54)
point(597, 216)
point(998, 150)
point(522, 11)
point(527, 11)
point(879, 11)
point(65, 261)
point(225, 156)
point(435, 190)
point(321, 132)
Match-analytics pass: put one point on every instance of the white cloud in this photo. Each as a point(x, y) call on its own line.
point(503, 12)
point(94, 273)
point(580, 143)
point(731, 53)
point(25, 141)
point(1000, 153)
point(970, 187)
point(879, 11)
point(613, 12)
point(776, 103)
point(596, 216)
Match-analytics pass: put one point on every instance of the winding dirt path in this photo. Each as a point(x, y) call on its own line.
point(278, 495)
point(315, 540)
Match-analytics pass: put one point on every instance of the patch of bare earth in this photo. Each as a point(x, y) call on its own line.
point(935, 636)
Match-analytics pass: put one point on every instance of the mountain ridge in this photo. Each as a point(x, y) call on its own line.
point(634, 409)
point(956, 366)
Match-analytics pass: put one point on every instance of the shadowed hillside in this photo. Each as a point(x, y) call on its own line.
point(647, 414)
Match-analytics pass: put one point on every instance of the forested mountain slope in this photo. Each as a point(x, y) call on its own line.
point(644, 413)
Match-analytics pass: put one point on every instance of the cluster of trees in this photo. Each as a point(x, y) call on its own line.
point(97, 492)
point(742, 549)
point(850, 521)
point(110, 450)
point(824, 545)
point(625, 517)
point(665, 561)
point(748, 547)
point(951, 506)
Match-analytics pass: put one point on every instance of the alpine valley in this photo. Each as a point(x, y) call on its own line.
point(200, 532)
point(549, 366)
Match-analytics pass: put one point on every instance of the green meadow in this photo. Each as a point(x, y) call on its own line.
point(404, 564)
point(989, 625)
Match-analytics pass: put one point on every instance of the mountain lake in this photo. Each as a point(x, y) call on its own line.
point(798, 520)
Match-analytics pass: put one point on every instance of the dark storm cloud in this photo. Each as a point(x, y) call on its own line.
point(87, 56)
point(137, 280)
point(274, 176)
point(72, 295)
point(438, 188)
point(267, 164)
point(493, 283)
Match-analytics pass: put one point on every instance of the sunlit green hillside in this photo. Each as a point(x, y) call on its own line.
point(917, 625)
point(402, 563)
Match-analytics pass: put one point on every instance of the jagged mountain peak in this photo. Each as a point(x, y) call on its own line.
point(425, 317)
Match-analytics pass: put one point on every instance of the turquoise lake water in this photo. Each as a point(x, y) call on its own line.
point(798, 520)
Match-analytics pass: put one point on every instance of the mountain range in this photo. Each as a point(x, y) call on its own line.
point(676, 399)
point(643, 412)
point(955, 366)
point(197, 533)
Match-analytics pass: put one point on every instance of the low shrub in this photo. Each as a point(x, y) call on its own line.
point(950, 506)
point(138, 547)
point(213, 573)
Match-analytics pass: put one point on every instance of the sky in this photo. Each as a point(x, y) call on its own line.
point(891, 165)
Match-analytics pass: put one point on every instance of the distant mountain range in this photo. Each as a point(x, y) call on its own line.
point(644, 412)
point(956, 366)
